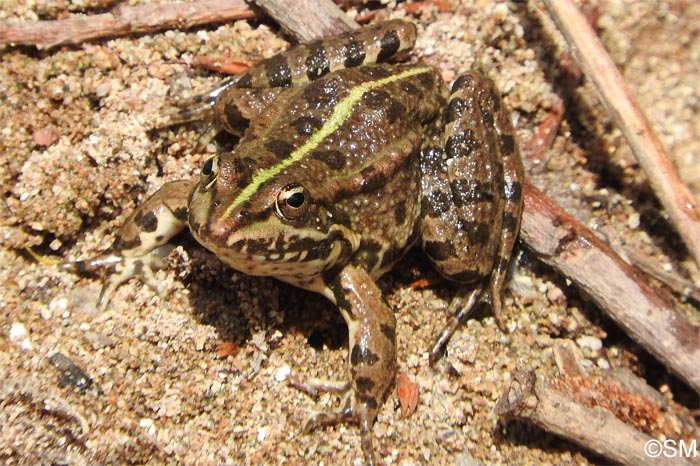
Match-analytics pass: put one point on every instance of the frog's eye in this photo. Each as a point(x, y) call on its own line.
point(292, 202)
point(209, 172)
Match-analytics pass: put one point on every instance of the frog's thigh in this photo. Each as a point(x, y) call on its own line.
point(463, 187)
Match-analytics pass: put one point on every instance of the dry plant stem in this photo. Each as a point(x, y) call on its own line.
point(123, 20)
point(645, 313)
point(307, 20)
point(599, 68)
point(596, 429)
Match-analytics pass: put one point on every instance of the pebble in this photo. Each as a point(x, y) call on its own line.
point(282, 373)
point(590, 342)
point(18, 334)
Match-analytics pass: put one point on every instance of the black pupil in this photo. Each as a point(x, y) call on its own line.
point(295, 200)
point(208, 166)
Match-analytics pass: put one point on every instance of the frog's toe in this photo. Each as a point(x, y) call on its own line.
point(354, 408)
point(117, 269)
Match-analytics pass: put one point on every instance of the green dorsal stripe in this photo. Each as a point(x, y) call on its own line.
point(341, 113)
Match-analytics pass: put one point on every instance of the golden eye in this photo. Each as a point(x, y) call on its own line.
point(292, 202)
point(209, 172)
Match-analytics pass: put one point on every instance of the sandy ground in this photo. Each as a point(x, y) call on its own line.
point(79, 152)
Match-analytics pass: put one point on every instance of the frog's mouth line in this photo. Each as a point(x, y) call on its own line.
point(289, 255)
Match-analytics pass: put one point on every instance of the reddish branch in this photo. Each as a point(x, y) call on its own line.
point(123, 20)
point(559, 410)
point(645, 313)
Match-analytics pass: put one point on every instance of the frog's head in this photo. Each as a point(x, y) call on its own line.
point(266, 222)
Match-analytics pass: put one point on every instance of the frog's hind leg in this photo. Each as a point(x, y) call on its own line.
point(472, 197)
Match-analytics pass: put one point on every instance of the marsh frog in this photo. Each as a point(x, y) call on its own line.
point(344, 163)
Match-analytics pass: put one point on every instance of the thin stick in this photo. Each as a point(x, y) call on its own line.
point(645, 313)
point(123, 20)
point(596, 429)
point(599, 68)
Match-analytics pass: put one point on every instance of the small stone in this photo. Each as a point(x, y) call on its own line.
point(18, 334)
point(633, 221)
point(590, 342)
point(282, 373)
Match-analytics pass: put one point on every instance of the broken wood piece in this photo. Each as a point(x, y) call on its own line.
point(646, 313)
point(594, 428)
point(123, 20)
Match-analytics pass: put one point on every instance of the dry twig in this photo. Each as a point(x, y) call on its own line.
point(308, 20)
point(532, 400)
point(599, 68)
point(123, 20)
point(645, 313)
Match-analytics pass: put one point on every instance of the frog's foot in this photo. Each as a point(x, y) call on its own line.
point(195, 108)
point(119, 269)
point(459, 310)
point(353, 408)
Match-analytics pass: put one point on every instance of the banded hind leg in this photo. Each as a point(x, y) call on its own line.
point(472, 197)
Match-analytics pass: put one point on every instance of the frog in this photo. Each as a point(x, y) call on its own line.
point(347, 158)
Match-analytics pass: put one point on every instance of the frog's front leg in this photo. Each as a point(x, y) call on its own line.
point(372, 354)
point(137, 249)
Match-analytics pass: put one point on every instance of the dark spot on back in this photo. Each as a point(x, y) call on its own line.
point(375, 72)
point(372, 179)
point(464, 81)
point(461, 144)
point(381, 100)
point(412, 90)
point(334, 159)
point(390, 44)
point(510, 223)
point(246, 80)
point(280, 148)
point(361, 355)
point(388, 331)
point(306, 125)
point(513, 191)
point(323, 93)
point(427, 80)
point(180, 213)
point(439, 250)
point(478, 232)
point(431, 161)
point(354, 53)
point(364, 384)
point(317, 63)
point(455, 109)
point(147, 221)
point(435, 203)
point(278, 72)
point(507, 145)
point(469, 191)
